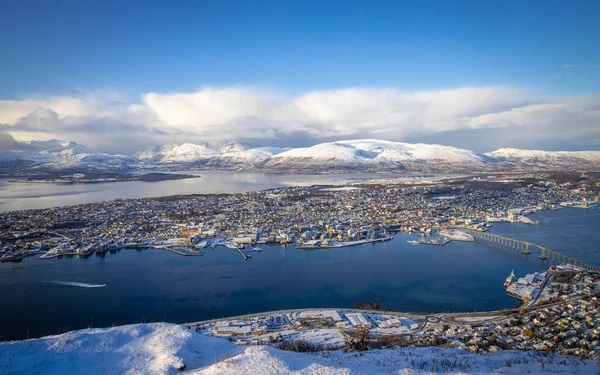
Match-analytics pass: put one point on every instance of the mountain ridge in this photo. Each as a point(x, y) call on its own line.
point(349, 155)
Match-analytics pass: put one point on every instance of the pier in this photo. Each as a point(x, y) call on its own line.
point(185, 254)
point(553, 256)
point(242, 253)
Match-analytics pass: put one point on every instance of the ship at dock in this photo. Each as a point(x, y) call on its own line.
point(526, 220)
point(86, 250)
point(509, 279)
point(457, 235)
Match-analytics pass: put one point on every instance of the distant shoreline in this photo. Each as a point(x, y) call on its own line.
point(146, 177)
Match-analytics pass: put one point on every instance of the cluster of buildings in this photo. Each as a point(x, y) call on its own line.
point(568, 322)
point(329, 323)
point(565, 320)
point(311, 217)
point(560, 282)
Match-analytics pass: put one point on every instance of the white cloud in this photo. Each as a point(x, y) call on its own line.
point(225, 113)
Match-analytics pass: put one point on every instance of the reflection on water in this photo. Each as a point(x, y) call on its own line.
point(23, 195)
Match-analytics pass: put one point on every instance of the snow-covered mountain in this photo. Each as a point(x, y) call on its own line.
point(173, 153)
point(355, 155)
point(376, 154)
point(232, 147)
point(251, 157)
point(588, 160)
point(57, 154)
point(230, 155)
point(10, 160)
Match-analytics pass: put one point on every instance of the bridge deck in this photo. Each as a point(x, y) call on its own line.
point(524, 245)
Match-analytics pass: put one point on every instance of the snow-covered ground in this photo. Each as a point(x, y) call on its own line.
point(162, 348)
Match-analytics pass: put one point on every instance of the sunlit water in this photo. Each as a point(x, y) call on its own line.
point(26, 195)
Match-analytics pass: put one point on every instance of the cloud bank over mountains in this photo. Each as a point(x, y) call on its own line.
point(480, 118)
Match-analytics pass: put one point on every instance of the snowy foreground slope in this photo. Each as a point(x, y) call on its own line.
point(171, 349)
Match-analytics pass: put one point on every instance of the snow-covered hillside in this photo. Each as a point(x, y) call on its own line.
point(19, 159)
point(354, 156)
point(514, 153)
point(250, 157)
point(59, 154)
point(163, 348)
point(184, 153)
point(231, 154)
point(546, 159)
point(371, 153)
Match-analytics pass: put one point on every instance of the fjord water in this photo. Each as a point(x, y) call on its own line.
point(154, 285)
point(19, 195)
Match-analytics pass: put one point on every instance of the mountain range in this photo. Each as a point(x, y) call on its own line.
point(356, 155)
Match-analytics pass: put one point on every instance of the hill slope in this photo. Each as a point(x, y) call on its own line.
point(162, 348)
point(376, 154)
point(565, 160)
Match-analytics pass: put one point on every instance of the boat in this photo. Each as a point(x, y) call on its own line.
point(414, 242)
point(257, 249)
point(85, 251)
point(457, 235)
point(526, 220)
point(509, 279)
point(52, 253)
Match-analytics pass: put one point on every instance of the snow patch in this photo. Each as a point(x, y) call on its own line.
point(162, 348)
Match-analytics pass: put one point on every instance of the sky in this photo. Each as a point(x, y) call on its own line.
point(123, 75)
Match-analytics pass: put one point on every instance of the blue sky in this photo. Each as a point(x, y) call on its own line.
point(475, 74)
point(140, 46)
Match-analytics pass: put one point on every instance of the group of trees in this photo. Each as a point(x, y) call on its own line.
point(359, 340)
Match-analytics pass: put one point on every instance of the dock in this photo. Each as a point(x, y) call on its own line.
point(182, 253)
point(242, 254)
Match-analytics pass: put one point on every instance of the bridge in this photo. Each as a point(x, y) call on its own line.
point(553, 256)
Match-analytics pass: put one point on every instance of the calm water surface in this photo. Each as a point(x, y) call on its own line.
point(26, 195)
point(153, 285)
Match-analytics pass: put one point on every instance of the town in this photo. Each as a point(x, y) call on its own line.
point(309, 217)
point(559, 306)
